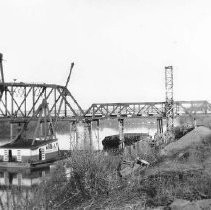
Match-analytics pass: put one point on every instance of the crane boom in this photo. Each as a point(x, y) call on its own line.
point(68, 78)
point(61, 102)
point(2, 77)
point(1, 68)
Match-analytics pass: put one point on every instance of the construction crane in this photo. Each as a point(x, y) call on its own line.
point(43, 116)
point(62, 100)
point(2, 87)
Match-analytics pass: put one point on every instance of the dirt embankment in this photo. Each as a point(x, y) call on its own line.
point(183, 172)
point(191, 152)
point(179, 179)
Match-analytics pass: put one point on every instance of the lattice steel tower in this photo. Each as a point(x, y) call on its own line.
point(169, 106)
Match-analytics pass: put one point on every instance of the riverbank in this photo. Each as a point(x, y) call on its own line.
point(181, 173)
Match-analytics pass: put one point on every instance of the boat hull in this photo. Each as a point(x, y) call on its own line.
point(37, 164)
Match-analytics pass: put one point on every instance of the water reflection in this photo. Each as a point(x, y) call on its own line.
point(24, 177)
point(17, 186)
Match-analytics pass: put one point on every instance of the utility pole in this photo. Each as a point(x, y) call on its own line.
point(169, 106)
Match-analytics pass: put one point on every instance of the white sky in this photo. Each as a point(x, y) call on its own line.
point(120, 47)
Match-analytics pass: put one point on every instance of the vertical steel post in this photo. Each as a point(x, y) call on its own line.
point(121, 133)
point(169, 105)
point(73, 136)
point(98, 134)
point(65, 106)
point(45, 94)
point(45, 122)
point(12, 100)
point(33, 100)
point(6, 111)
point(55, 103)
point(19, 127)
point(25, 101)
point(11, 131)
point(160, 125)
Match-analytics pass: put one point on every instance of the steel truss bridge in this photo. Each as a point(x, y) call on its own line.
point(19, 102)
point(147, 109)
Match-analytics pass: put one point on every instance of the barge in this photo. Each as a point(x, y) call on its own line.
point(40, 150)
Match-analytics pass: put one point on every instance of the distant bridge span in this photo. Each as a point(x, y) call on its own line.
point(147, 109)
point(19, 102)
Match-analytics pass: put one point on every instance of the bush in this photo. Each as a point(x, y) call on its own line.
point(84, 176)
point(179, 132)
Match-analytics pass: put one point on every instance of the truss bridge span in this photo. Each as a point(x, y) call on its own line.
point(147, 109)
point(19, 101)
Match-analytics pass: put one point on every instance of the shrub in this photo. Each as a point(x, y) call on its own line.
point(89, 175)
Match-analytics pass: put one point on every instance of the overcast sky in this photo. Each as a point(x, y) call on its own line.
point(120, 47)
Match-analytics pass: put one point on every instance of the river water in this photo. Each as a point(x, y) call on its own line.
point(107, 128)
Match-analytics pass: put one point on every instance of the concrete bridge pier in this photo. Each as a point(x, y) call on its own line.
point(73, 136)
point(121, 132)
point(160, 125)
point(96, 128)
point(98, 135)
point(88, 144)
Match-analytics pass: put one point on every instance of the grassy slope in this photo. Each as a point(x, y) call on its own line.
point(186, 176)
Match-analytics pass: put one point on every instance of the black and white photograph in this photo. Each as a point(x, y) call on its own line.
point(105, 105)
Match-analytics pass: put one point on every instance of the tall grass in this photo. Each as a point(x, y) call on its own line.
point(89, 180)
point(84, 176)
